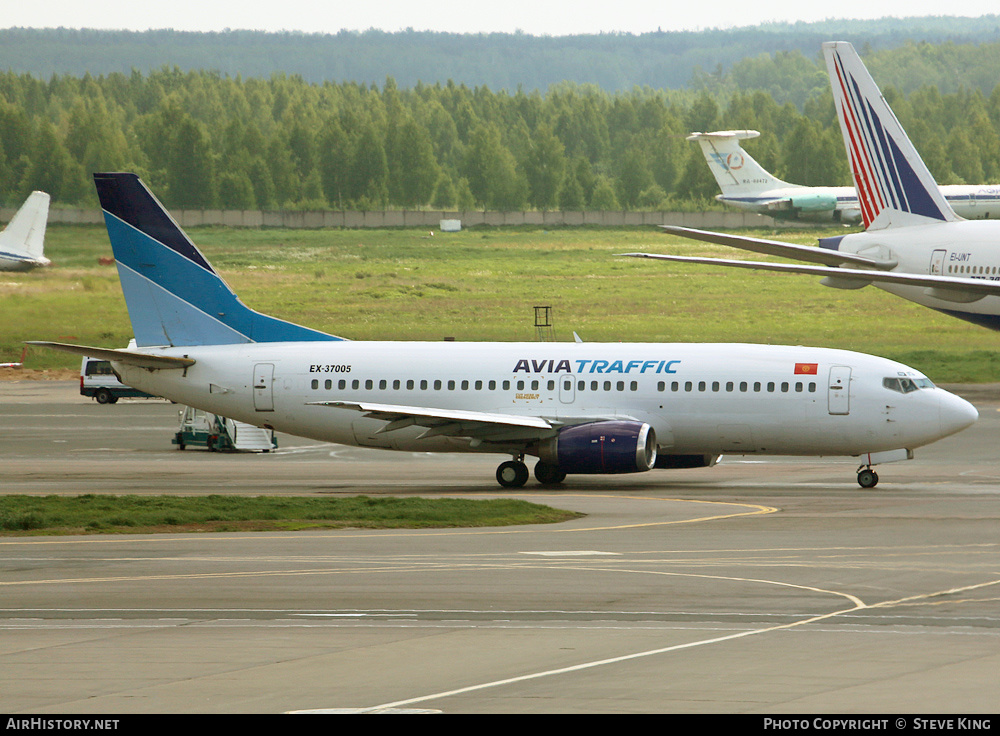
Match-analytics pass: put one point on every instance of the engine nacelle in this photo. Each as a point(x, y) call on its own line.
point(814, 202)
point(601, 447)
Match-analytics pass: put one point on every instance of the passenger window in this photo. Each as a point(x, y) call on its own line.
point(492, 385)
point(409, 384)
point(423, 385)
point(661, 386)
point(437, 385)
point(633, 386)
point(315, 383)
point(451, 385)
point(328, 384)
point(506, 385)
point(342, 384)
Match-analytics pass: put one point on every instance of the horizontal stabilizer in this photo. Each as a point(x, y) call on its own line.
point(141, 360)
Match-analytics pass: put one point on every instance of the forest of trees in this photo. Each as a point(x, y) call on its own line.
point(207, 139)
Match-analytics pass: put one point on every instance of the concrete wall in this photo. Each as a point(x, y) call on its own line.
point(426, 218)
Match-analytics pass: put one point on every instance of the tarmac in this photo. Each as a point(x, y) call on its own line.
point(759, 586)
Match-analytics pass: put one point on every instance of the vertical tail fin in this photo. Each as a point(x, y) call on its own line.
point(736, 171)
point(25, 233)
point(894, 186)
point(173, 294)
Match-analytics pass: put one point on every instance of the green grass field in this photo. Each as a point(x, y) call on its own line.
point(108, 514)
point(482, 284)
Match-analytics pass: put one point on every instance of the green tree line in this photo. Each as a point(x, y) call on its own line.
point(202, 139)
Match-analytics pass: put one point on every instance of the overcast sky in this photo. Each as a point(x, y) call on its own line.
point(552, 17)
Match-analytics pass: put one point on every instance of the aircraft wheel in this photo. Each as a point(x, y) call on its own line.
point(549, 474)
point(867, 478)
point(512, 474)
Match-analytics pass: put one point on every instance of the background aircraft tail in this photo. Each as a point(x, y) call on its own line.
point(173, 294)
point(894, 186)
point(736, 171)
point(25, 233)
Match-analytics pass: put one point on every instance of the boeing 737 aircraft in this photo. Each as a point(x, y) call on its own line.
point(23, 240)
point(749, 186)
point(578, 407)
point(914, 245)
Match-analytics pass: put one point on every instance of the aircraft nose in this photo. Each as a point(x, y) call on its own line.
point(956, 414)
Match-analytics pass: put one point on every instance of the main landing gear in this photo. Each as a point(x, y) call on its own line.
point(514, 473)
point(867, 478)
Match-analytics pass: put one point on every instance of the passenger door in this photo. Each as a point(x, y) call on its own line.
point(263, 387)
point(839, 391)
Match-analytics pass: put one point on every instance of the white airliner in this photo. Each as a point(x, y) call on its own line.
point(23, 240)
point(579, 407)
point(914, 245)
point(749, 186)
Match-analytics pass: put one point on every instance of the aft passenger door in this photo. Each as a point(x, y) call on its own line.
point(263, 387)
point(839, 391)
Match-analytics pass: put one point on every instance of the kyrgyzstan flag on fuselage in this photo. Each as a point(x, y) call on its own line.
point(806, 369)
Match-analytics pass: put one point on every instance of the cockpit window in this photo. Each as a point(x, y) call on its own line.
point(906, 385)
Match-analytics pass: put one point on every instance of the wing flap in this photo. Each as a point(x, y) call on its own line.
point(948, 288)
point(807, 253)
point(450, 422)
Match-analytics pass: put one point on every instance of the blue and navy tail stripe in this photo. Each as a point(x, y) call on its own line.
point(173, 294)
point(883, 176)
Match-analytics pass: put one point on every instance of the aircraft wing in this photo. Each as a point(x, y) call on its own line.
point(948, 288)
point(808, 253)
point(142, 360)
point(452, 422)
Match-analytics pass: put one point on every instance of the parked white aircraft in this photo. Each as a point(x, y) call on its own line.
point(749, 186)
point(914, 245)
point(578, 407)
point(23, 240)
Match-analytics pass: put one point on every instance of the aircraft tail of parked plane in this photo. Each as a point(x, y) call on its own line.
point(894, 186)
point(580, 408)
point(748, 185)
point(22, 242)
point(737, 172)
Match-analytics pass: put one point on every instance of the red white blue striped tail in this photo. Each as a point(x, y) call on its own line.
point(894, 186)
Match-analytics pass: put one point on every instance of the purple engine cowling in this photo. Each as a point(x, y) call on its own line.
point(602, 447)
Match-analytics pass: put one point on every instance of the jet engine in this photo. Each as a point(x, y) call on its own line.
point(601, 447)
